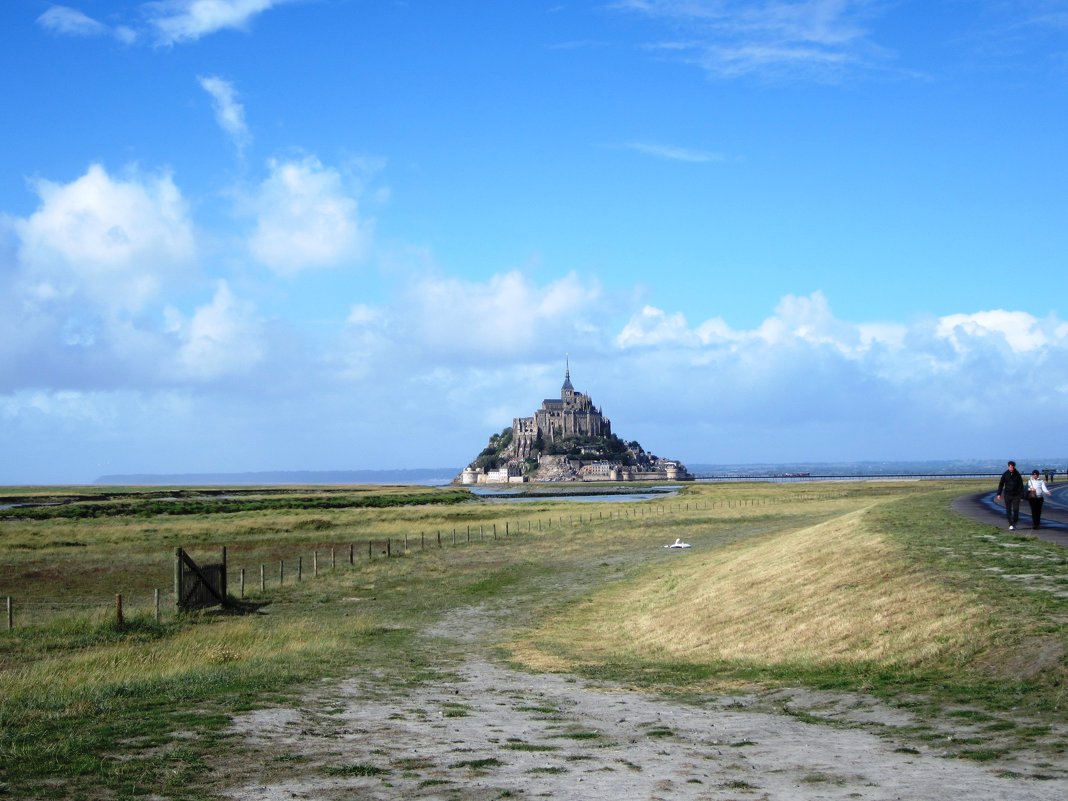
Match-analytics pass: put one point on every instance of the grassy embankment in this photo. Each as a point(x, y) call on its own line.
point(869, 587)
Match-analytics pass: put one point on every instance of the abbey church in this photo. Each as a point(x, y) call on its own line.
point(567, 439)
point(573, 415)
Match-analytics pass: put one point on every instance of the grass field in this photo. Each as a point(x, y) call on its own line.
point(875, 588)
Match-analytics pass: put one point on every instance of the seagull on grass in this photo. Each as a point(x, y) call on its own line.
point(678, 543)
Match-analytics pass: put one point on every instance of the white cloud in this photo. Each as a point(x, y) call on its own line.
point(506, 315)
point(167, 22)
point(177, 21)
point(672, 153)
point(810, 39)
point(796, 319)
point(307, 219)
point(874, 386)
point(113, 240)
point(222, 338)
point(229, 112)
point(654, 327)
point(70, 22)
point(1019, 331)
point(70, 407)
point(67, 21)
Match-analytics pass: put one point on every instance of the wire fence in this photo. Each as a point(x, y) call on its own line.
point(260, 579)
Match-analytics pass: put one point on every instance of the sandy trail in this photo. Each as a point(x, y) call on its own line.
point(492, 732)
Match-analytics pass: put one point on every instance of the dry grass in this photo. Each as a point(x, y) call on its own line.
point(237, 641)
point(824, 594)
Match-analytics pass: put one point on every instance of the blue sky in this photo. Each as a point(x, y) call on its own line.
point(343, 234)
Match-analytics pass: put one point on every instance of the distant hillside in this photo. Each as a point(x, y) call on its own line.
point(424, 475)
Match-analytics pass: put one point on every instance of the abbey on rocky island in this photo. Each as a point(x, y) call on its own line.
point(567, 439)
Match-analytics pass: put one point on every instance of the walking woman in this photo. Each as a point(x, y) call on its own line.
point(1037, 492)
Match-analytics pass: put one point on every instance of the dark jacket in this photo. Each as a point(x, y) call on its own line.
point(1011, 484)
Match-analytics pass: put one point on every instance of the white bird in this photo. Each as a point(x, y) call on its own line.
point(678, 543)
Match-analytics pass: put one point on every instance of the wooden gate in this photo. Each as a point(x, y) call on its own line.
point(197, 586)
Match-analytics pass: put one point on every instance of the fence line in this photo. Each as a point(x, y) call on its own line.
point(121, 602)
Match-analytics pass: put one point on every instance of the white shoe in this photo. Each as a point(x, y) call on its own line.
point(1012, 528)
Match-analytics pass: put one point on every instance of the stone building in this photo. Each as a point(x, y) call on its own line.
point(567, 439)
point(573, 415)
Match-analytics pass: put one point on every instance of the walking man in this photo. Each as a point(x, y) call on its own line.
point(1011, 488)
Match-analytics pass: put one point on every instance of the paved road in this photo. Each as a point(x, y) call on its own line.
point(982, 507)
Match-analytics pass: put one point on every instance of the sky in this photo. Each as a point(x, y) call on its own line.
point(244, 235)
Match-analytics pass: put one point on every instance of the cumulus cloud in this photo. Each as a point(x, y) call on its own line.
point(805, 377)
point(88, 291)
point(229, 112)
point(112, 240)
point(307, 218)
point(222, 338)
point(1018, 331)
point(177, 21)
point(796, 319)
point(506, 315)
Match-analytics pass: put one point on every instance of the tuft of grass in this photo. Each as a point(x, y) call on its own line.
point(581, 734)
point(660, 732)
point(357, 769)
point(520, 746)
point(478, 764)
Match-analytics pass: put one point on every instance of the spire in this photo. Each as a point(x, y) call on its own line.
point(567, 376)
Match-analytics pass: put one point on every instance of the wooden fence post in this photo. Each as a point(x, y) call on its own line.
point(10, 617)
point(156, 602)
point(352, 553)
point(300, 568)
point(281, 572)
point(263, 577)
point(333, 560)
point(118, 610)
point(315, 564)
point(242, 582)
point(178, 578)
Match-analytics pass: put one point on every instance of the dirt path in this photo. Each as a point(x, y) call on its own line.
point(491, 732)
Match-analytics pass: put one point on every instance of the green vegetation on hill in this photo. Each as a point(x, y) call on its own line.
point(495, 454)
point(609, 448)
